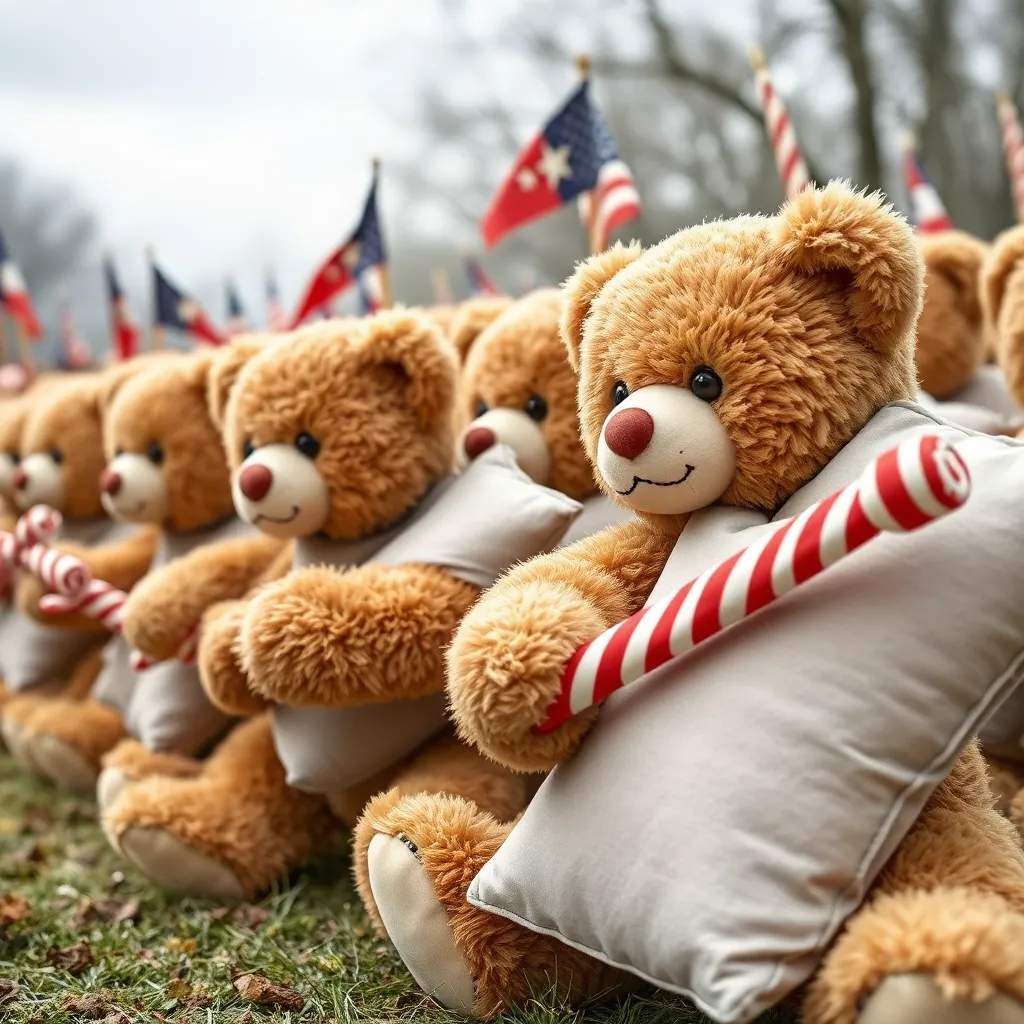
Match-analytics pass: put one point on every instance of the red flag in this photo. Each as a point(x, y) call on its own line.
point(14, 296)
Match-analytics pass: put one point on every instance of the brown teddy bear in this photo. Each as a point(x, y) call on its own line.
point(745, 356)
point(61, 455)
point(165, 468)
point(341, 437)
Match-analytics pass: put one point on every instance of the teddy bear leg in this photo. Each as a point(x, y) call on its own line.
point(226, 833)
point(67, 740)
point(415, 858)
point(15, 716)
point(942, 935)
point(128, 762)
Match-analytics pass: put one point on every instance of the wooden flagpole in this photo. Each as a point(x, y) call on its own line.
point(385, 270)
point(583, 70)
point(5, 347)
point(24, 348)
point(156, 330)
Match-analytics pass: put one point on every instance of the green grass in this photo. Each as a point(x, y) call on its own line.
point(176, 959)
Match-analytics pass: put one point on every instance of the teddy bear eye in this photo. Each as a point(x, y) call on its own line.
point(536, 408)
point(57, 455)
point(619, 393)
point(15, 457)
point(706, 384)
point(155, 453)
point(480, 407)
point(118, 451)
point(308, 445)
point(247, 448)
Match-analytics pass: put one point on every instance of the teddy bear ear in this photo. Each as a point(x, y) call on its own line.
point(471, 318)
point(110, 380)
point(1006, 253)
point(837, 230)
point(958, 257)
point(580, 291)
point(220, 372)
point(410, 344)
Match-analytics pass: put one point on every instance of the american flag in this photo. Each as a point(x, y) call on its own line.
point(573, 154)
point(75, 353)
point(277, 318)
point(124, 332)
point(480, 282)
point(237, 322)
point(14, 296)
point(927, 211)
point(176, 309)
point(360, 259)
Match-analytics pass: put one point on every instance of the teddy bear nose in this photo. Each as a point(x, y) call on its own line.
point(110, 482)
point(478, 440)
point(629, 432)
point(255, 481)
point(20, 479)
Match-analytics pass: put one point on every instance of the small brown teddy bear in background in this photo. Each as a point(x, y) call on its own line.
point(832, 286)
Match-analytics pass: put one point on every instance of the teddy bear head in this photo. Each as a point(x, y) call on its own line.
point(13, 411)
point(1002, 296)
point(732, 360)
point(951, 333)
point(165, 463)
point(341, 427)
point(61, 448)
point(517, 388)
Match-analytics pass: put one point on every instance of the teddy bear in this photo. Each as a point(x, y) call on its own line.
point(953, 338)
point(722, 373)
point(165, 470)
point(60, 458)
point(341, 437)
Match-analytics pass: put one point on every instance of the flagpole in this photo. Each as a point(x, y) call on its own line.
point(5, 356)
point(24, 348)
point(583, 70)
point(385, 270)
point(156, 330)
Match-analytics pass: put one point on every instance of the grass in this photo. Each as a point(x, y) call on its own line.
point(100, 944)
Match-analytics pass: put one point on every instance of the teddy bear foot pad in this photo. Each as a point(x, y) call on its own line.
point(17, 745)
point(171, 864)
point(62, 764)
point(914, 997)
point(417, 924)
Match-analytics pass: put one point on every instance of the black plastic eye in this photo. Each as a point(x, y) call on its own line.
point(536, 408)
point(15, 457)
point(480, 408)
point(619, 393)
point(247, 448)
point(155, 453)
point(57, 455)
point(706, 384)
point(118, 451)
point(308, 445)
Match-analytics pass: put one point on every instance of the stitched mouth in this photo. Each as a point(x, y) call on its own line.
point(263, 518)
point(638, 480)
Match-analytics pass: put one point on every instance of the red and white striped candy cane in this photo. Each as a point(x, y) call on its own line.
point(788, 158)
point(1013, 149)
point(905, 488)
point(98, 600)
point(186, 653)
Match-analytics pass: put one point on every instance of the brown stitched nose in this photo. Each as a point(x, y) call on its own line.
point(629, 432)
point(478, 440)
point(110, 482)
point(20, 479)
point(255, 481)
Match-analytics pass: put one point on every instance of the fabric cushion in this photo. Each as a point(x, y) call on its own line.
point(728, 813)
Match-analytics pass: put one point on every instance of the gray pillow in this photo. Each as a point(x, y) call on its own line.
point(728, 813)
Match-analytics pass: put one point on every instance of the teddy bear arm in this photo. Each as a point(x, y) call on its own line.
point(168, 604)
point(220, 670)
point(506, 662)
point(364, 635)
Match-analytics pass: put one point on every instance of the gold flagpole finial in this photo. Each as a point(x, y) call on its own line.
point(583, 65)
point(756, 57)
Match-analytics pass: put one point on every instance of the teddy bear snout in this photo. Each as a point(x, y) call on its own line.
point(255, 482)
point(20, 479)
point(478, 440)
point(110, 482)
point(38, 481)
point(628, 432)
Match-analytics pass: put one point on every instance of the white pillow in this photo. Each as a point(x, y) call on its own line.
point(726, 815)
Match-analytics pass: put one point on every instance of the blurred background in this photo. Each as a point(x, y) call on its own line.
point(235, 136)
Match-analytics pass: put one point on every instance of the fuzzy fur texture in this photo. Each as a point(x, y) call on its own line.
point(1003, 301)
point(472, 317)
point(808, 317)
point(951, 335)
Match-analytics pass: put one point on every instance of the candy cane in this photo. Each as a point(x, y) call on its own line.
point(907, 487)
point(1013, 149)
point(788, 158)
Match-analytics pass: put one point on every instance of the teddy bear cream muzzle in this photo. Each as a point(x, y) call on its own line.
point(281, 492)
point(664, 450)
point(9, 462)
point(133, 490)
point(510, 427)
point(38, 481)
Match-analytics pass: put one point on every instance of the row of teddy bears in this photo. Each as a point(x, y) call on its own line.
point(324, 509)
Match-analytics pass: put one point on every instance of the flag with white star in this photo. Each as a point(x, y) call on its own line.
point(358, 260)
point(563, 162)
point(176, 309)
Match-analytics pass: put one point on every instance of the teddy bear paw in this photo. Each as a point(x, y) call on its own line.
point(173, 865)
point(110, 784)
point(902, 998)
point(417, 923)
point(16, 739)
point(62, 764)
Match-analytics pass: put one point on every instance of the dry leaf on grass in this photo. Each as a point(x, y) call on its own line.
point(8, 992)
point(74, 959)
point(186, 946)
point(36, 820)
point(262, 991)
point(13, 908)
point(110, 910)
point(91, 1005)
point(246, 915)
